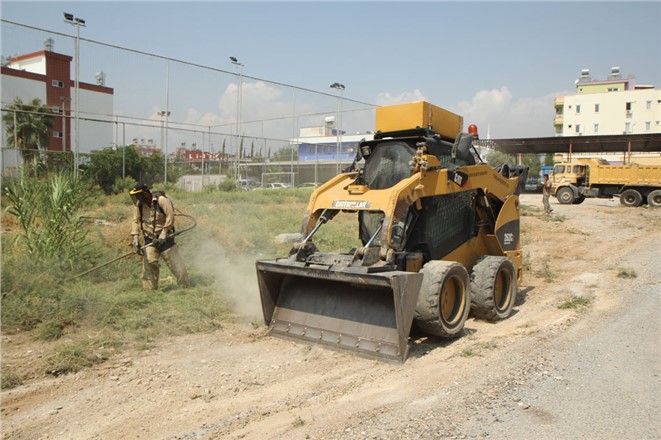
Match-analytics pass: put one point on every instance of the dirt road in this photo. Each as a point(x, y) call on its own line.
point(547, 372)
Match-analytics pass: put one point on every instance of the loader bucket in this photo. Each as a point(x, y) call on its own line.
point(366, 313)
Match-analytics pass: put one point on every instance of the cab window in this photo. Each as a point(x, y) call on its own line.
point(559, 169)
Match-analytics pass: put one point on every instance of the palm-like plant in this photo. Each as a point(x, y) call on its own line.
point(27, 126)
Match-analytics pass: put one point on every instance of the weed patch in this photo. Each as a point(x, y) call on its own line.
point(626, 273)
point(576, 302)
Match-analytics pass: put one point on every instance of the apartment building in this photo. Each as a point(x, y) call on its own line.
point(47, 75)
point(611, 106)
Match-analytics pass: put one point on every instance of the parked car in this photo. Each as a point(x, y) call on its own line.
point(246, 184)
point(276, 185)
point(532, 185)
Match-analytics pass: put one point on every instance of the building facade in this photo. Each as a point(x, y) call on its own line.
point(46, 75)
point(613, 106)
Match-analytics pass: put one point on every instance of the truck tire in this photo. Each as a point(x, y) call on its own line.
point(565, 195)
point(578, 200)
point(631, 197)
point(444, 301)
point(654, 199)
point(493, 288)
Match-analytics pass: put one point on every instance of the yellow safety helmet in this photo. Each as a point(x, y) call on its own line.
point(139, 188)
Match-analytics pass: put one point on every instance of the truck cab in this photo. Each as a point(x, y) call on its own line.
point(570, 180)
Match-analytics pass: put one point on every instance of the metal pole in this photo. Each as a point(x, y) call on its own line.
point(77, 88)
point(337, 137)
point(240, 134)
point(123, 150)
point(239, 94)
point(15, 131)
point(64, 128)
point(167, 117)
point(340, 131)
point(291, 166)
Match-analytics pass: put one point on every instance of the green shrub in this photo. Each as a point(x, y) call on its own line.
point(47, 211)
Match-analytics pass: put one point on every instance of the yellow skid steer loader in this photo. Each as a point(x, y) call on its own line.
point(440, 237)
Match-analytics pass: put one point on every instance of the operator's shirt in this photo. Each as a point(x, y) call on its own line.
point(143, 218)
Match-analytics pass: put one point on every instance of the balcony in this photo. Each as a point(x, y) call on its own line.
point(559, 102)
point(558, 120)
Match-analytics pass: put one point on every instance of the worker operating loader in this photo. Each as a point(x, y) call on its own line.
point(153, 217)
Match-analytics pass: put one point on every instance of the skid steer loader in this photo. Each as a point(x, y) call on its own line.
point(440, 237)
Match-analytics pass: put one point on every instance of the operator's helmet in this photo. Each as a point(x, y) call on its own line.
point(138, 190)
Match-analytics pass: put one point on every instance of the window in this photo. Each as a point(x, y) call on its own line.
point(577, 169)
point(559, 169)
point(648, 125)
point(596, 108)
point(648, 105)
point(57, 134)
point(578, 109)
point(627, 127)
point(613, 89)
point(628, 106)
point(596, 128)
point(578, 128)
point(55, 109)
point(57, 83)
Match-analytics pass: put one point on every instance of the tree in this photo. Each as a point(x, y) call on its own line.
point(548, 159)
point(285, 154)
point(27, 127)
point(106, 166)
point(496, 158)
point(533, 163)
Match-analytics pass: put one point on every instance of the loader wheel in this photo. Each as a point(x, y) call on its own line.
point(565, 196)
point(493, 288)
point(444, 300)
point(654, 199)
point(631, 197)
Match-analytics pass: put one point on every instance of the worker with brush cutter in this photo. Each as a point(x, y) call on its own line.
point(153, 217)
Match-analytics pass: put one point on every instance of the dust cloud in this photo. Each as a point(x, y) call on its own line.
point(234, 278)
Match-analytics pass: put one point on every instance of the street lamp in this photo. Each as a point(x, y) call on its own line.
point(340, 87)
point(78, 22)
point(164, 115)
point(238, 112)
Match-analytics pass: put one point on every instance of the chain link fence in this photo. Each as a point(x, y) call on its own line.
point(214, 119)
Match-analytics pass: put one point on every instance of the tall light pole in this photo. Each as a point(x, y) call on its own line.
point(238, 113)
point(78, 22)
point(164, 117)
point(340, 87)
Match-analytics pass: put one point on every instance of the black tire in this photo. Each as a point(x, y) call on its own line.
point(579, 200)
point(631, 198)
point(654, 199)
point(565, 195)
point(493, 288)
point(444, 301)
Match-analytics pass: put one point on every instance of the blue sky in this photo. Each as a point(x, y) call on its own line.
point(498, 64)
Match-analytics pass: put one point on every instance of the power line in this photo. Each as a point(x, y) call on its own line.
point(187, 63)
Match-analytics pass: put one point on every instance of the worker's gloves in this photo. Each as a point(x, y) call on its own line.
point(157, 242)
point(136, 245)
